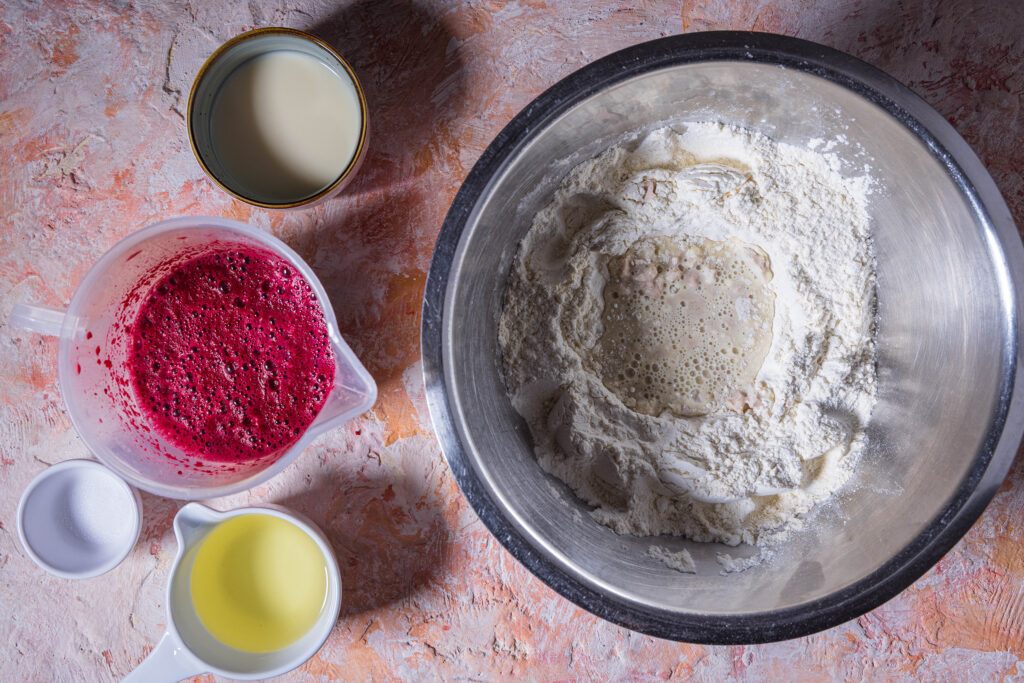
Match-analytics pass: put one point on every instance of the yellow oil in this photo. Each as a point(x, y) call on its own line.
point(259, 582)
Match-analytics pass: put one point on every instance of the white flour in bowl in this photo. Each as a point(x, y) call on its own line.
point(688, 330)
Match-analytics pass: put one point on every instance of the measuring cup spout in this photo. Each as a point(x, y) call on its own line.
point(190, 522)
point(354, 390)
point(42, 319)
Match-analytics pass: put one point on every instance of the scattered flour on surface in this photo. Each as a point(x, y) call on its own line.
point(650, 225)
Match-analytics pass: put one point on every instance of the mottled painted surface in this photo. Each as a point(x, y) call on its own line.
point(93, 146)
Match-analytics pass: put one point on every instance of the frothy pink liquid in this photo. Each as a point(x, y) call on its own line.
point(231, 358)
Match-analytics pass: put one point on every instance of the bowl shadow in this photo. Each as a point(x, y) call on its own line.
point(388, 541)
point(411, 77)
point(369, 246)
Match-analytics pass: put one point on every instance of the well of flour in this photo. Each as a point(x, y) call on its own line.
point(688, 331)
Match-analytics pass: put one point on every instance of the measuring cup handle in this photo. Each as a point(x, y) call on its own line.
point(169, 662)
point(41, 319)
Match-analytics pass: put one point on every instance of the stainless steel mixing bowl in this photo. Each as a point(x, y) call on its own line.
point(949, 415)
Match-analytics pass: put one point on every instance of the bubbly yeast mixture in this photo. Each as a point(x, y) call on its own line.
point(688, 330)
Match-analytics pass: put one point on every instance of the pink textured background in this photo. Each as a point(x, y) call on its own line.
point(93, 146)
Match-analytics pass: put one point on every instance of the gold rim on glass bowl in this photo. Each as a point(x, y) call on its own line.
point(218, 68)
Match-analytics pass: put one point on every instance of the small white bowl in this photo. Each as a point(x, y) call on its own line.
point(77, 519)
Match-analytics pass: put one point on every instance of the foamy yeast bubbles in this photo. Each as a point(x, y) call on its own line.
point(687, 325)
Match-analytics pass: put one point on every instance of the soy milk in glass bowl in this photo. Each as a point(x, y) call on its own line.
point(278, 119)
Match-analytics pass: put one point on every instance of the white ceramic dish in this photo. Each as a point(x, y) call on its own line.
point(188, 649)
point(78, 519)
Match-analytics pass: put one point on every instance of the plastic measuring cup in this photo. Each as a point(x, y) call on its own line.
point(92, 365)
point(188, 649)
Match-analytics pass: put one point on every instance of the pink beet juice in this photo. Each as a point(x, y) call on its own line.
point(231, 358)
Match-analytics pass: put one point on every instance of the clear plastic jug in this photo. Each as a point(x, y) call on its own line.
point(92, 355)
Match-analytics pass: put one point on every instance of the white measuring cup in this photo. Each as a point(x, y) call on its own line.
point(93, 351)
point(188, 649)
